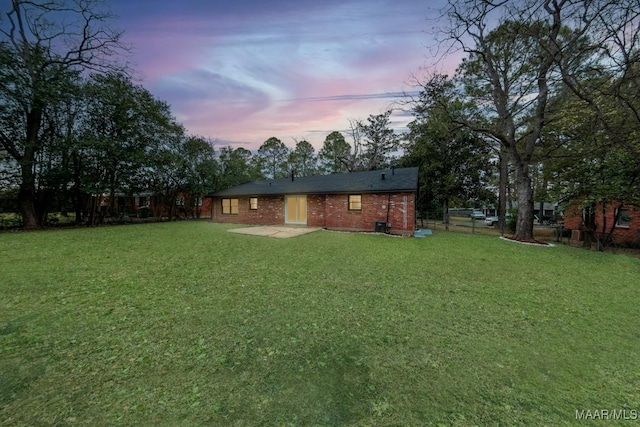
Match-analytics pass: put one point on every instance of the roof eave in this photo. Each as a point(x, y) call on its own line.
point(316, 193)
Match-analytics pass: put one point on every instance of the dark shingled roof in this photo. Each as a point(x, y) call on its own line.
point(395, 180)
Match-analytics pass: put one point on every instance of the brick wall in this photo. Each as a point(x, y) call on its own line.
point(374, 208)
point(270, 211)
point(631, 234)
point(316, 210)
point(330, 211)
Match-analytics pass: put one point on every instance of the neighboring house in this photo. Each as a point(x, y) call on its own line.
point(624, 228)
point(549, 210)
point(357, 201)
point(147, 204)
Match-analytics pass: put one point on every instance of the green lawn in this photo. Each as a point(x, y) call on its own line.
point(185, 324)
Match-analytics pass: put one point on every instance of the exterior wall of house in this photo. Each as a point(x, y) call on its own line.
point(621, 234)
point(401, 212)
point(316, 210)
point(329, 211)
point(270, 211)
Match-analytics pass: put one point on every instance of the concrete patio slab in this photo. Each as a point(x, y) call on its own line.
point(277, 231)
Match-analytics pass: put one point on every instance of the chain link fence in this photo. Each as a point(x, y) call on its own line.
point(461, 222)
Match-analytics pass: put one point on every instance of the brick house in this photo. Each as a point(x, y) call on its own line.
point(148, 204)
point(357, 201)
point(624, 228)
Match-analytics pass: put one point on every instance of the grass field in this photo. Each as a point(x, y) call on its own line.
point(185, 324)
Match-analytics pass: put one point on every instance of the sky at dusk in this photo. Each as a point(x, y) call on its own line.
point(241, 71)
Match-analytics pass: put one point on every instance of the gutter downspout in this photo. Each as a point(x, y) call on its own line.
point(326, 212)
point(388, 208)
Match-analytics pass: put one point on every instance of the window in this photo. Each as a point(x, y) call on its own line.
point(198, 201)
point(355, 202)
point(179, 201)
point(623, 218)
point(253, 203)
point(230, 206)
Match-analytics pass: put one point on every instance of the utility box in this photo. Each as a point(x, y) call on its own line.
point(381, 227)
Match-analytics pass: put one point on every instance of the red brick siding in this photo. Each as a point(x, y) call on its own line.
point(270, 211)
point(573, 220)
point(316, 212)
point(330, 211)
point(374, 208)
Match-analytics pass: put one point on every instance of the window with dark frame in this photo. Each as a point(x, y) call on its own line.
point(623, 218)
point(230, 206)
point(355, 202)
point(253, 203)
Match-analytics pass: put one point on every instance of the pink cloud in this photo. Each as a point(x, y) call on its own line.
point(303, 116)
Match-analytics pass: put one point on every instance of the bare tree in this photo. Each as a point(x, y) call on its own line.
point(353, 161)
point(44, 46)
point(510, 80)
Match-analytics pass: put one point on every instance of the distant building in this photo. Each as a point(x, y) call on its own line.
point(623, 222)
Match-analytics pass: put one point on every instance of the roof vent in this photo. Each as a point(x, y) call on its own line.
point(382, 175)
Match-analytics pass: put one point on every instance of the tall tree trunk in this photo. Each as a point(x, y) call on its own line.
point(172, 205)
point(608, 238)
point(446, 214)
point(524, 224)
point(589, 225)
point(502, 187)
point(601, 236)
point(93, 210)
point(77, 206)
point(540, 212)
point(27, 199)
point(27, 194)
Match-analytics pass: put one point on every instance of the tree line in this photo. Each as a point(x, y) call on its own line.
point(369, 145)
